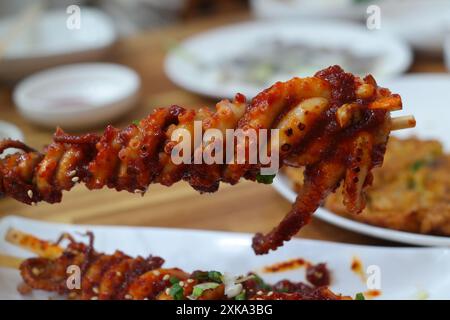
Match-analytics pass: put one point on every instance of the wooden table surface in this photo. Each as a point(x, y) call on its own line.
point(246, 207)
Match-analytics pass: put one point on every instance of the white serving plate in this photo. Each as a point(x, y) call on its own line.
point(77, 96)
point(426, 96)
point(425, 34)
point(183, 64)
point(49, 42)
point(406, 273)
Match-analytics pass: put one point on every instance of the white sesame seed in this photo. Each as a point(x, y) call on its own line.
point(181, 283)
point(156, 272)
point(30, 194)
point(270, 293)
point(138, 191)
point(259, 293)
point(72, 173)
point(190, 280)
point(35, 271)
point(145, 298)
point(128, 297)
point(95, 290)
point(75, 179)
point(166, 277)
point(167, 291)
point(94, 298)
point(118, 273)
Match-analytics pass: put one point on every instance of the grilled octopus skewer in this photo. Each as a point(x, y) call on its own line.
point(334, 124)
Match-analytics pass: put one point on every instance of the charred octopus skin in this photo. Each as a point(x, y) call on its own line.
point(334, 124)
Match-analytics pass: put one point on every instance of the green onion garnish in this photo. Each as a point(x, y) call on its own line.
point(215, 276)
point(200, 288)
point(360, 296)
point(174, 280)
point(240, 296)
point(266, 179)
point(176, 291)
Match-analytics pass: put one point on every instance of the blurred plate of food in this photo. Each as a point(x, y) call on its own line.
point(77, 96)
point(409, 200)
point(45, 38)
point(248, 57)
point(231, 253)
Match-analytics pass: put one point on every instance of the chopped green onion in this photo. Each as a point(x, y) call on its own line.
point(136, 122)
point(262, 284)
point(240, 296)
point(200, 288)
point(215, 276)
point(174, 280)
point(200, 275)
point(360, 296)
point(266, 179)
point(176, 291)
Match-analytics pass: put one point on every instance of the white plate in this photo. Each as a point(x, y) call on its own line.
point(194, 65)
point(425, 34)
point(49, 42)
point(77, 96)
point(427, 269)
point(426, 96)
point(9, 131)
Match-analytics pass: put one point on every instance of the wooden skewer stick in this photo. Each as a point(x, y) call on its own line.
point(31, 243)
point(403, 122)
point(10, 262)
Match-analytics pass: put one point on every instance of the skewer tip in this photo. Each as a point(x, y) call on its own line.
point(403, 122)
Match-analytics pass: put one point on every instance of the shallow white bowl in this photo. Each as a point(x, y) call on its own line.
point(49, 42)
point(77, 96)
point(9, 131)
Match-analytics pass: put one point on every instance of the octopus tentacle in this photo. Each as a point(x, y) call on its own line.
point(320, 180)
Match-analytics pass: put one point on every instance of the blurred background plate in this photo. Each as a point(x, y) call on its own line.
point(46, 40)
point(426, 96)
point(397, 17)
point(248, 57)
